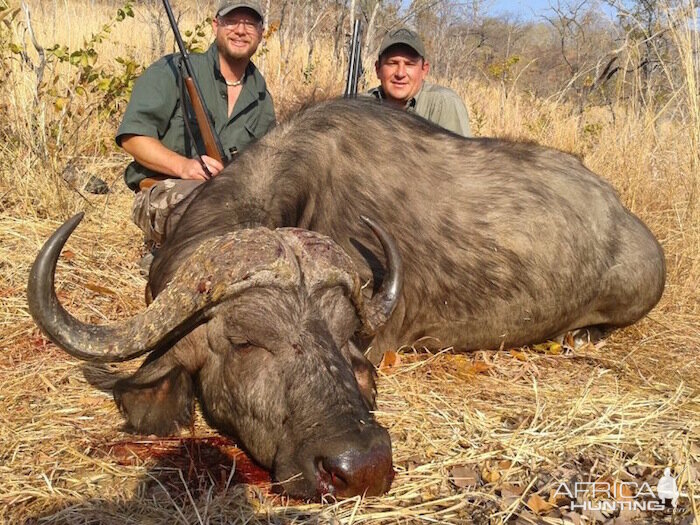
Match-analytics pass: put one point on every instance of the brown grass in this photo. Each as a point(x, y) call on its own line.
point(518, 422)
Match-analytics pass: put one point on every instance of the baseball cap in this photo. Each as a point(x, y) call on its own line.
point(226, 7)
point(405, 37)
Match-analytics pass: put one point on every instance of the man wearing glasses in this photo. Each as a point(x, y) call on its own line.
point(154, 131)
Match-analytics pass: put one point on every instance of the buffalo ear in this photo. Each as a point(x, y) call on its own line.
point(162, 406)
point(365, 374)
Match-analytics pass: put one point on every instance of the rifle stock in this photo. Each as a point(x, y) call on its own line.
point(211, 144)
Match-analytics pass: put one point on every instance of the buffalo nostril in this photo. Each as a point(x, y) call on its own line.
point(356, 473)
point(332, 475)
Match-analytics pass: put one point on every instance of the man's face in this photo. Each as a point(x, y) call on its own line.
point(401, 72)
point(238, 33)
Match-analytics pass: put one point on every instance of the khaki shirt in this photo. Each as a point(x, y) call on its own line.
point(438, 104)
point(155, 110)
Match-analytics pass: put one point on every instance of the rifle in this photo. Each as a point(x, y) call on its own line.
point(354, 62)
point(212, 145)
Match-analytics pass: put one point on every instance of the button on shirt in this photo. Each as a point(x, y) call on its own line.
point(155, 109)
point(438, 104)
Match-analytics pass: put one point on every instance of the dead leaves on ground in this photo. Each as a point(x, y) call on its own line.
point(557, 497)
point(463, 476)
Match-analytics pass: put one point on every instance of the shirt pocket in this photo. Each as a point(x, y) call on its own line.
point(251, 124)
point(259, 126)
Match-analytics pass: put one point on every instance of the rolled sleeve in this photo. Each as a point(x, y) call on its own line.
point(153, 102)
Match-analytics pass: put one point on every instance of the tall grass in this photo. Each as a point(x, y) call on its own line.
point(609, 410)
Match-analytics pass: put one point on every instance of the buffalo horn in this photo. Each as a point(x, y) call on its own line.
point(381, 305)
point(207, 279)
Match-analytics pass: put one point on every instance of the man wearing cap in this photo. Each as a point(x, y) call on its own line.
point(166, 167)
point(401, 69)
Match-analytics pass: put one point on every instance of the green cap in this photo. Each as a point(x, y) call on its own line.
point(403, 36)
point(226, 7)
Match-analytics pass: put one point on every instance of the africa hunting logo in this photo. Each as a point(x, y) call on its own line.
point(612, 496)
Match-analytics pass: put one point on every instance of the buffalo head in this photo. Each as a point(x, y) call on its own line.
point(258, 324)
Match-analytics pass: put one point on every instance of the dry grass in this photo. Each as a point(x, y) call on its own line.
point(517, 422)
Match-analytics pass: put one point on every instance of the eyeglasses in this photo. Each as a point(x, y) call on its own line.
point(231, 23)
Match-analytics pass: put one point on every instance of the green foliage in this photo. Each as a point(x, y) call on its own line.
point(590, 136)
point(308, 73)
point(503, 69)
point(111, 87)
point(8, 47)
point(74, 86)
point(196, 40)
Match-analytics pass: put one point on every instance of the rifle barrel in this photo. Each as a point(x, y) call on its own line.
point(206, 127)
point(354, 61)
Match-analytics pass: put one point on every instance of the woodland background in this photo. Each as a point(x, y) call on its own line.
point(483, 437)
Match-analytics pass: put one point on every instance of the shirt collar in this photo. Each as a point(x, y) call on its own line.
point(410, 105)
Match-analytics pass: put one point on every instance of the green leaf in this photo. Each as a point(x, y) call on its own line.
point(103, 85)
point(76, 57)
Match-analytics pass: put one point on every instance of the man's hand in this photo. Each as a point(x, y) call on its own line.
point(152, 154)
point(194, 169)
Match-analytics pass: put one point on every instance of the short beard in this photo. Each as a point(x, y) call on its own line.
point(236, 55)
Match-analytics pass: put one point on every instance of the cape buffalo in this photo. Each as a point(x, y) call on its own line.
point(497, 244)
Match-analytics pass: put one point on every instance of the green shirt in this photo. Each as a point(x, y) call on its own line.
point(439, 105)
point(155, 110)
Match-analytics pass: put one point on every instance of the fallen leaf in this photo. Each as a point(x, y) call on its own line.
point(554, 349)
point(490, 475)
point(538, 505)
point(510, 494)
point(100, 289)
point(520, 356)
point(463, 476)
point(622, 491)
point(479, 368)
point(550, 348)
point(556, 498)
point(412, 462)
point(511, 490)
